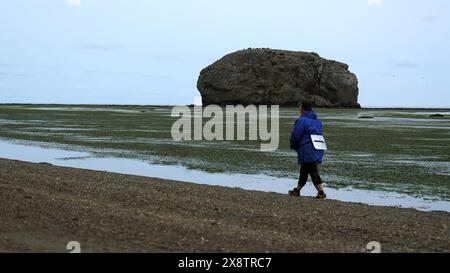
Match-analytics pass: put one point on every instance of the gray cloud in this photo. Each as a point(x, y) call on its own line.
point(101, 47)
point(428, 19)
point(168, 58)
point(386, 74)
point(11, 74)
point(151, 76)
point(406, 64)
point(51, 67)
point(124, 73)
point(4, 64)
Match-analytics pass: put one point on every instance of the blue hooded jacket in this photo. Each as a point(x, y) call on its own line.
point(306, 125)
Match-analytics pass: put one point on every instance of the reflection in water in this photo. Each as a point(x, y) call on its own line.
point(250, 182)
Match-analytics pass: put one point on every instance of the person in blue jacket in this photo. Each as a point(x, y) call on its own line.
point(308, 157)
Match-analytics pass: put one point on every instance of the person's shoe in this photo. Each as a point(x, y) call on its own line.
point(294, 192)
point(321, 196)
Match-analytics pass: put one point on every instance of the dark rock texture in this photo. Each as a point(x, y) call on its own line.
point(278, 77)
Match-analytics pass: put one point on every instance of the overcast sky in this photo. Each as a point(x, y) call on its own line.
point(151, 52)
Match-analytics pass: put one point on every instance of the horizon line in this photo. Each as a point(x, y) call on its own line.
point(171, 105)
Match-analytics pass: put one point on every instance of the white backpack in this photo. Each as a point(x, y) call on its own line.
point(319, 142)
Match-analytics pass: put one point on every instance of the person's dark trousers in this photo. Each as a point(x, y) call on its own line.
point(309, 169)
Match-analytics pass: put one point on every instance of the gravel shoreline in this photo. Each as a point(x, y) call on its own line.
point(43, 207)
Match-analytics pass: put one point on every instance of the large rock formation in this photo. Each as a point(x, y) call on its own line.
point(278, 77)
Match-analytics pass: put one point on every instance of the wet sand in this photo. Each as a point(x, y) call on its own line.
point(43, 207)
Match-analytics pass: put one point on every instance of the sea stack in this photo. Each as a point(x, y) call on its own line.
point(278, 77)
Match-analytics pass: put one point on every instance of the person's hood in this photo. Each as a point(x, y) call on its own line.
point(309, 114)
